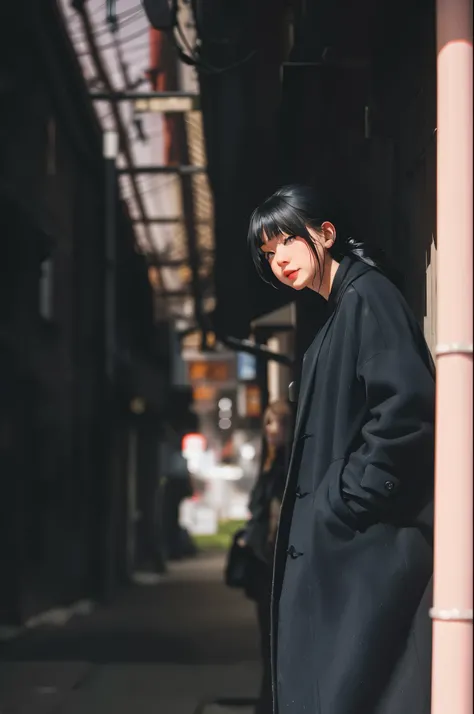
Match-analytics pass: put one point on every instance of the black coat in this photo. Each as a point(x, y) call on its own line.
point(353, 561)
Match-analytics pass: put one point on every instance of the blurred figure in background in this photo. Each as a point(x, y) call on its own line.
point(261, 529)
point(179, 485)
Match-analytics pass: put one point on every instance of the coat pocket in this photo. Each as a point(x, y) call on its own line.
point(335, 499)
point(382, 484)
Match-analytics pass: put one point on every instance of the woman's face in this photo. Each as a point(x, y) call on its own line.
point(274, 431)
point(293, 262)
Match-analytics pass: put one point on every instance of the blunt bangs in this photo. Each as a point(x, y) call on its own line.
point(284, 212)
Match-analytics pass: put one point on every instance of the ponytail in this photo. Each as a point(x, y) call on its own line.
point(370, 255)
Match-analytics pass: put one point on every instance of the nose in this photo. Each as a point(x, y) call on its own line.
point(281, 258)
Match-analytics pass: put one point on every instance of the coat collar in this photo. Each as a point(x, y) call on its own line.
point(349, 270)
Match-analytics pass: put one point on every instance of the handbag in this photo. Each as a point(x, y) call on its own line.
point(236, 574)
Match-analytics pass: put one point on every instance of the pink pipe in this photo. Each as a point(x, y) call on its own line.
point(453, 581)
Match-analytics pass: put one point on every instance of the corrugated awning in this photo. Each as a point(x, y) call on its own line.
point(163, 236)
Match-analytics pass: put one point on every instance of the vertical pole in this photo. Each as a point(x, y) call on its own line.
point(159, 82)
point(132, 498)
point(110, 149)
point(262, 371)
point(453, 587)
point(110, 156)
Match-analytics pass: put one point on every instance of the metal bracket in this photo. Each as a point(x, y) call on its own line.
point(454, 348)
point(255, 349)
point(452, 615)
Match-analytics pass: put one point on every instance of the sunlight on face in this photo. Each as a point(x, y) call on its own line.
point(293, 262)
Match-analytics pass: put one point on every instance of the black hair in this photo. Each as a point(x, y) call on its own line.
point(292, 210)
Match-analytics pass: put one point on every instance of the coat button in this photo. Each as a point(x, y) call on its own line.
point(293, 392)
point(293, 553)
point(300, 494)
point(389, 485)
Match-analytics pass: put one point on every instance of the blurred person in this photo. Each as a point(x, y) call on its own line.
point(178, 486)
point(354, 555)
point(260, 531)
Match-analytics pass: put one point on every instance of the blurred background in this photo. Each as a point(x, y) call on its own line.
point(138, 347)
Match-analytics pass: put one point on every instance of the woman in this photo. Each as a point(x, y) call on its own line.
point(260, 533)
point(353, 560)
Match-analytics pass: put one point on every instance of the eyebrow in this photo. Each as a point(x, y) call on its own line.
point(281, 235)
point(270, 240)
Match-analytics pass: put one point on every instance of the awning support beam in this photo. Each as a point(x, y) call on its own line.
point(158, 169)
point(257, 350)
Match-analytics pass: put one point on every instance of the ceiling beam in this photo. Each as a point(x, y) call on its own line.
point(160, 169)
point(133, 95)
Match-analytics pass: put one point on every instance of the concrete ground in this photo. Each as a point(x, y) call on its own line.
point(173, 647)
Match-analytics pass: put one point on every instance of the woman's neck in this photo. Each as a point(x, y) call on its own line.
point(330, 270)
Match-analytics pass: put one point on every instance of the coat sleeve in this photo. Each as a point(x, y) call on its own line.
point(395, 456)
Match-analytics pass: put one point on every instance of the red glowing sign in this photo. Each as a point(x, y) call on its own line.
point(193, 444)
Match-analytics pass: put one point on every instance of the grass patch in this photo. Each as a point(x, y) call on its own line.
point(220, 540)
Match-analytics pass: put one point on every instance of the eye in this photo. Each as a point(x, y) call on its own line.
point(289, 240)
point(268, 255)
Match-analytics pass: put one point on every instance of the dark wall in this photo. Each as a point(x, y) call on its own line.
point(61, 455)
point(404, 88)
point(244, 41)
point(358, 119)
point(60, 353)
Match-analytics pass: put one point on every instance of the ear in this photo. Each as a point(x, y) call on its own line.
point(329, 233)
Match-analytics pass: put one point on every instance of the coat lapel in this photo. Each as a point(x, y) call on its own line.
point(310, 361)
point(347, 272)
